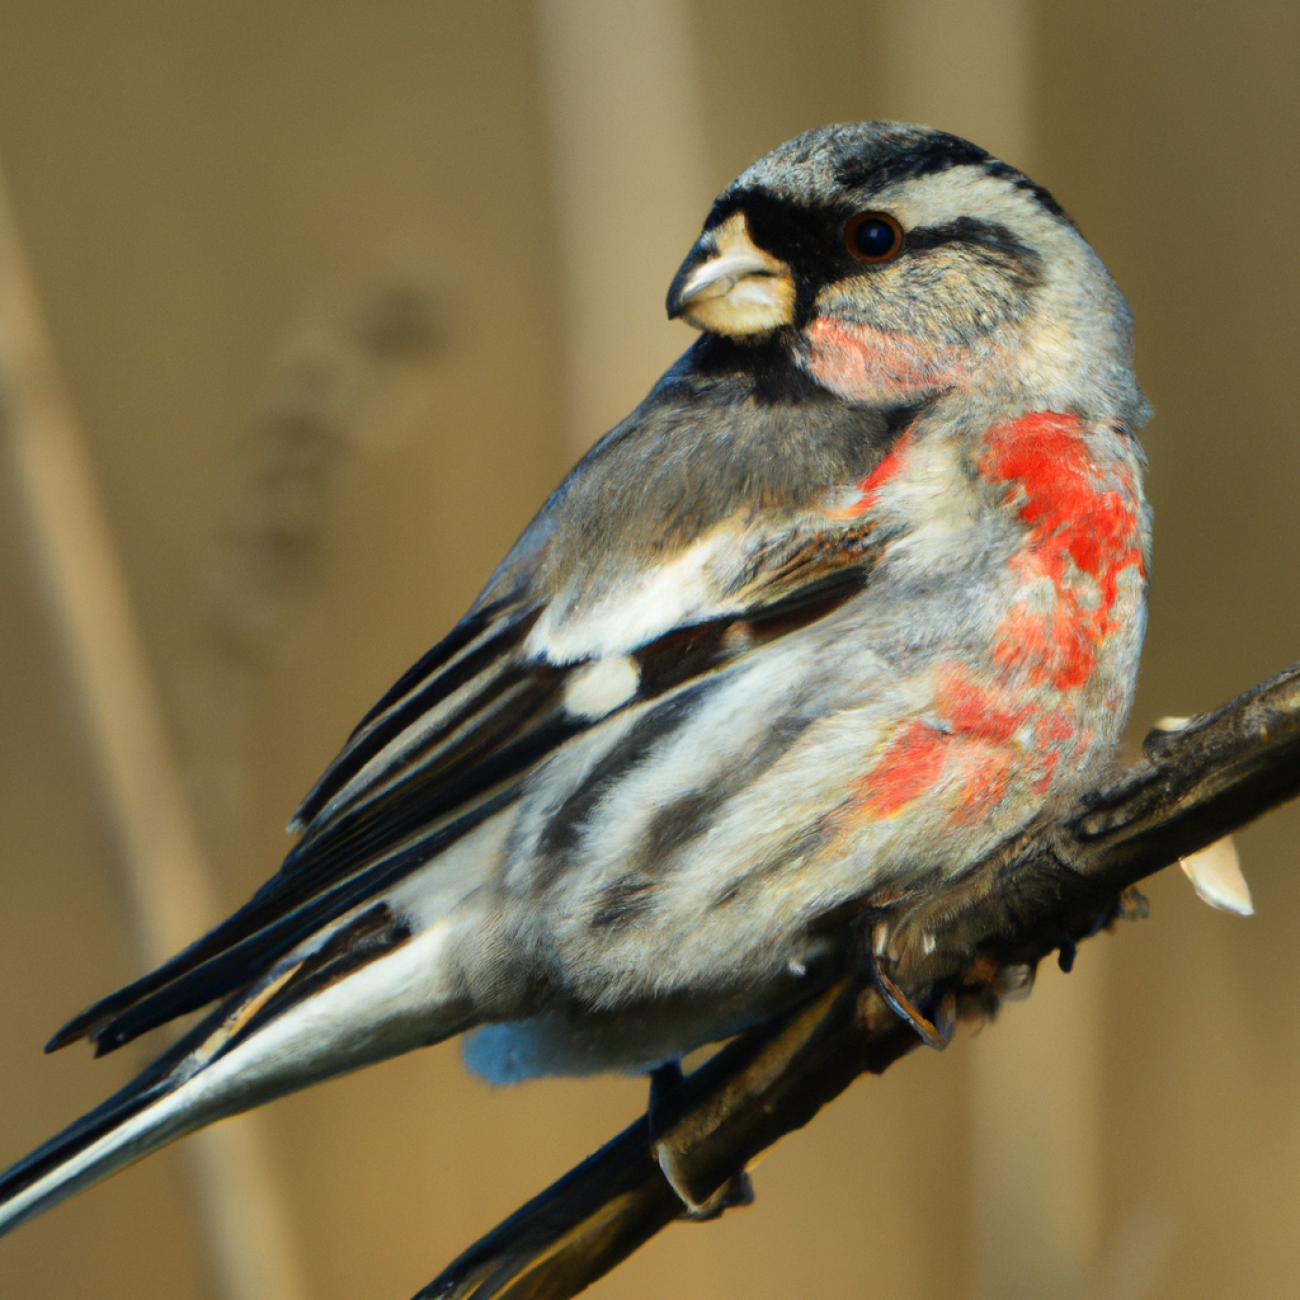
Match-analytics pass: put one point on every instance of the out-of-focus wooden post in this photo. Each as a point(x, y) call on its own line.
point(86, 592)
point(630, 189)
point(963, 67)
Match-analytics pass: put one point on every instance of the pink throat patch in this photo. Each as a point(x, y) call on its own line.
point(869, 365)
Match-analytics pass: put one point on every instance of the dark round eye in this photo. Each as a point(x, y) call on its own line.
point(873, 237)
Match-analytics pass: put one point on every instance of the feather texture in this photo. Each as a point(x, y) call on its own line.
point(854, 595)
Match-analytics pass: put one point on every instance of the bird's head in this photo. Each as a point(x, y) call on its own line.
point(900, 262)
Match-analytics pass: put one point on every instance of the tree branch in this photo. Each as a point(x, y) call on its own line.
point(947, 951)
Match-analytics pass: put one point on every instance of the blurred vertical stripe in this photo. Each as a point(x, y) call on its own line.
point(104, 658)
point(963, 67)
point(630, 188)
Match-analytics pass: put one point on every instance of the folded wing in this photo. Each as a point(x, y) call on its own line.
point(456, 738)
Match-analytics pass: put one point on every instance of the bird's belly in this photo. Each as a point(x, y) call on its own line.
point(693, 847)
point(687, 847)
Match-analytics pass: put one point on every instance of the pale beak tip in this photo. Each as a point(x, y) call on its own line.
point(679, 295)
point(728, 285)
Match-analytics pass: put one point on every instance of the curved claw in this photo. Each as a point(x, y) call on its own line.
point(738, 1190)
point(936, 1033)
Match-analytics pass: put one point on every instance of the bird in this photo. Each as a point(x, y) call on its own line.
point(853, 597)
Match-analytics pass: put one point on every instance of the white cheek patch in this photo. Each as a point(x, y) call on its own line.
point(600, 687)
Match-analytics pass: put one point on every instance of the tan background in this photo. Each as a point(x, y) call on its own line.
point(304, 280)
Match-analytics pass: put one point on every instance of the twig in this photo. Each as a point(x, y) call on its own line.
point(948, 951)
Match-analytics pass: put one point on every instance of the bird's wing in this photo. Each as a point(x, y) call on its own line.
point(455, 738)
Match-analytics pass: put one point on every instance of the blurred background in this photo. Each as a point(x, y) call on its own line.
point(303, 312)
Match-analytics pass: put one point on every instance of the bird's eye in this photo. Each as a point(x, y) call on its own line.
point(873, 237)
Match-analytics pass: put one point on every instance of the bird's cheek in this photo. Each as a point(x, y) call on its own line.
point(868, 365)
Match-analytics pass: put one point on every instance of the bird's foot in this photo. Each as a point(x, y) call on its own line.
point(936, 1032)
point(738, 1190)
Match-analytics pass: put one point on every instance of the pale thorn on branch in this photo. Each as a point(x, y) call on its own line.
point(1215, 871)
point(1216, 874)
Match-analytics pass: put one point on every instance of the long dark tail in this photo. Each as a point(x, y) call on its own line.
point(279, 1036)
point(142, 1117)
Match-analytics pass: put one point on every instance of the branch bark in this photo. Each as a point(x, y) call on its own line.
point(949, 952)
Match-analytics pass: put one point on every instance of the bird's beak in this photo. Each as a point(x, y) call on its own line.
point(728, 285)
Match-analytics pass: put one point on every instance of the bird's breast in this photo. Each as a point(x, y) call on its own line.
point(1080, 566)
point(1022, 580)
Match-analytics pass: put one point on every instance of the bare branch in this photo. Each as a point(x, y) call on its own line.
point(948, 952)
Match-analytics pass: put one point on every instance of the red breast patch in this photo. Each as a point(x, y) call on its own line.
point(1083, 535)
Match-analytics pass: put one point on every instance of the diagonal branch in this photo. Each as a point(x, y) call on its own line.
point(948, 952)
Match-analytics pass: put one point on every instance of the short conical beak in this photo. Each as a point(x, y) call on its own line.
point(728, 285)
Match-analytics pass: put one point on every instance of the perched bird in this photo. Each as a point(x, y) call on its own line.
point(855, 594)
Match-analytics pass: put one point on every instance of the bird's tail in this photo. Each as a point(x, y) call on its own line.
point(290, 1030)
point(130, 1124)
